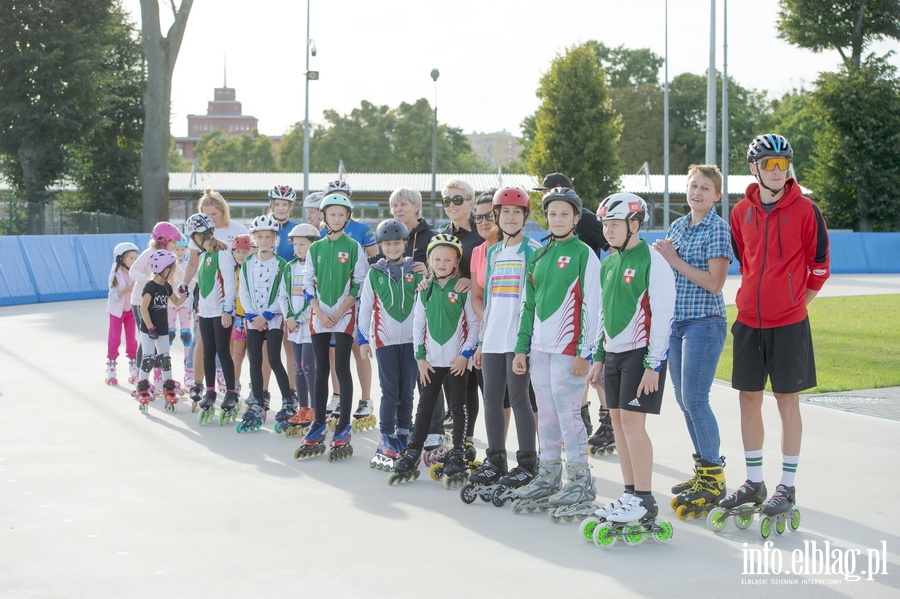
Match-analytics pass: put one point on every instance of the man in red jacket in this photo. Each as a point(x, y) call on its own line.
point(781, 242)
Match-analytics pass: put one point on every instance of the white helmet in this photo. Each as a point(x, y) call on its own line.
point(264, 223)
point(623, 206)
point(339, 187)
point(125, 246)
point(304, 230)
point(313, 200)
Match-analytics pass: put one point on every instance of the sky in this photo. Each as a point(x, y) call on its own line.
point(490, 53)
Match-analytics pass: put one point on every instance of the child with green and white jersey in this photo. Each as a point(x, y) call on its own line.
point(335, 268)
point(386, 319)
point(215, 308)
point(638, 305)
point(557, 331)
point(445, 334)
point(263, 296)
point(504, 293)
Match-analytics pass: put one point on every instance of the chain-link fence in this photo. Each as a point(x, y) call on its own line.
point(28, 218)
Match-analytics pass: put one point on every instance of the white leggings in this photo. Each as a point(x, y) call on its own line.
point(558, 393)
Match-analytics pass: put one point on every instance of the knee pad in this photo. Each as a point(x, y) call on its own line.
point(148, 362)
point(164, 361)
point(186, 337)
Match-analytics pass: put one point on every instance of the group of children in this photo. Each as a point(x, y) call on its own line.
point(544, 320)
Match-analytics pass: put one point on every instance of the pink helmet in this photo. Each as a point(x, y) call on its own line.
point(165, 232)
point(512, 196)
point(160, 259)
point(241, 242)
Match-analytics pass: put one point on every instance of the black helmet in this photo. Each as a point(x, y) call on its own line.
point(391, 230)
point(566, 194)
point(770, 144)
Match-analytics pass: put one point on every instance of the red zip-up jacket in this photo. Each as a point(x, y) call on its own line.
point(781, 254)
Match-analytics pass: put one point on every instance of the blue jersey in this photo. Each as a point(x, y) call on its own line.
point(359, 232)
point(285, 249)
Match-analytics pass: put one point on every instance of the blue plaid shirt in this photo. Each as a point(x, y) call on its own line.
point(697, 244)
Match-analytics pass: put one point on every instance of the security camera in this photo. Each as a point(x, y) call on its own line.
point(313, 50)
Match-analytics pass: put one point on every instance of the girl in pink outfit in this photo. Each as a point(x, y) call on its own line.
point(119, 308)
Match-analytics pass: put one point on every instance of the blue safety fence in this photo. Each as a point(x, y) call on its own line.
point(49, 268)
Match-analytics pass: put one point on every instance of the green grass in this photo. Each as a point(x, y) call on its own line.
point(856, 341)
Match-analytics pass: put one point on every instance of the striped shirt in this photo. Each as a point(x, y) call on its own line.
point(696, 245)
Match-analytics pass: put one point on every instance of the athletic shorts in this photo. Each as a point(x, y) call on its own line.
point(783, 354)
point(624, 371)
point(239, 329)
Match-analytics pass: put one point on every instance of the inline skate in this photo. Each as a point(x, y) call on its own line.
point(741, 505)
point(298, 424)
point(632, 522)
point(471, 457)
point(111, 373)
point(576, 499)
point(406, 468)
point(364, 417)
point(779, 512)
point(455, 468)
point(287, 411)
point(536, 494)
point(340, 447)
point(590, 523)
point(485, 479)
point(604, 440)
point(133, 374)
point(437, 448)
point(144, 395)
point(387, 453)
point(704, 495)
point(207, 407)
point(255, 416)
point(313, 444)
point(171, 392)
point(229, 411)
point(519, 476)
point(196, 394)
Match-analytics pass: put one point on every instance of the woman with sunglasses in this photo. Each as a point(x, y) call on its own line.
point(698, 248)
point(486, 227)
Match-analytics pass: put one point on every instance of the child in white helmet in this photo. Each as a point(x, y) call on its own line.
point(119, 309)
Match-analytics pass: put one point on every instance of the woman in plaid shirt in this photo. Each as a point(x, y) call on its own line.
point(698, 248)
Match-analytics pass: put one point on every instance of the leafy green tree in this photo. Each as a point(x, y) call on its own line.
point(380, 139)
point(642, 126)
point(794, 117)
point(847, 26)
point(576, 128)
point(221, 153)
point(627, 68)
point(54, 56)
point(857, 154)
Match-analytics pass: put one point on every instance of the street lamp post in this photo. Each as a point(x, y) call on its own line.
point(434, 209)
point(310, 49)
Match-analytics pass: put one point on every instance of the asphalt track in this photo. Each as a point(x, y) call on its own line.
point(98, 500)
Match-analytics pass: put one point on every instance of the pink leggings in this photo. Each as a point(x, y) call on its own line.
point(116, 324)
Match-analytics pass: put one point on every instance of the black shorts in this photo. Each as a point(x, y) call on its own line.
point(623, 373)
point(783, 354)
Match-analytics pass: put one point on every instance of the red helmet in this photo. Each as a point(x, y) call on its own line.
point(512, 196)
point(241, 242)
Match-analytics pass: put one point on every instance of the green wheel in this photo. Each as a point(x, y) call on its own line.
point(765, 527)
point(665, 534)
point(780, 525)
point(794, 522)
point(634, 535)
point(717, 519)
point(743, 520)
point(604, 536)
point(587, 528)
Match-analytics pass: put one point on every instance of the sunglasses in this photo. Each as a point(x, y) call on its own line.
point(769, 164)
point(458, 200)
point(479, 218)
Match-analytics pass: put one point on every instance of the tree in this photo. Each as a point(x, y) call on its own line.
point(794, 117)
point(161, 52)
point(576, 128)
point(380, 139)
point(52, 55)
point(627, 68)
point(641, 109)
point(857, 154)
point(848, 26)
point(222, 153)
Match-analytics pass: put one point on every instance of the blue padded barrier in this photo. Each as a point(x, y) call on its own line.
point(60, 271)
point(847, 252)
point(882, 252)
point(97, 253)
point(16, 281)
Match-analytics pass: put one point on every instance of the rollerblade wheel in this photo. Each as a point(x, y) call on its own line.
point(604, 536)
point(634, 535)
point(794, 522)
point(553, 517)
point(436, 472)
point(717, 519)
point(587, 528)
point(674, 504)
point(664, 534)
point(765, 527)
point(743, 520)
point(497, 498)
point(780, 525)
point(517, 507)
point(682, 512)
point(467, 494)
point(193, 407)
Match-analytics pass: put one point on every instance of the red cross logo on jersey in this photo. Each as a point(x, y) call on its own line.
point(563, 262)
point(409, 277)
point(452, 297)
point(343, 257)
point(629, 275)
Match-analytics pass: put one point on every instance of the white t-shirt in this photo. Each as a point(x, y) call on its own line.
point(501, 320)
point(225, 234)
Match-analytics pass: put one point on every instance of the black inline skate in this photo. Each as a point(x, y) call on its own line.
point(485, 480)
point(706, 493)
point(207, 407)
point(288, 409)
point(406, 468)
point(255, 416)
point(519, 476)
point(455, 468)
point(229, 411)
point(604, 440)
